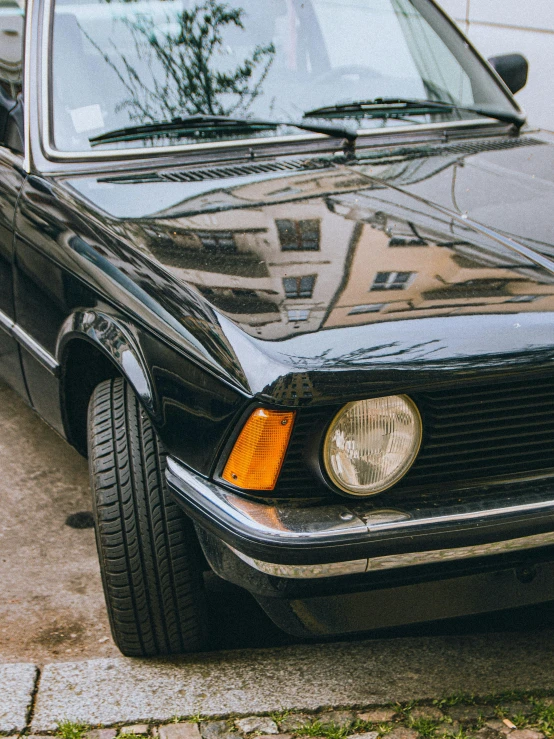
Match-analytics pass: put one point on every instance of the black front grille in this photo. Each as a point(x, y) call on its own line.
point(475, 433)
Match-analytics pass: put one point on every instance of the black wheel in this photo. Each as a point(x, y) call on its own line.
point(149, 555)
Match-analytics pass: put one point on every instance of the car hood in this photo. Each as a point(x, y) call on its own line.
point(436, 258)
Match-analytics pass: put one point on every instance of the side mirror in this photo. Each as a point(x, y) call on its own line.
point(513, 69)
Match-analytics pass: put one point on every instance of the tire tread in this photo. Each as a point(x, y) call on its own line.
point(147, 547)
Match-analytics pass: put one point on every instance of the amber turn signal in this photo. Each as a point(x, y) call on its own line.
point(257, 456)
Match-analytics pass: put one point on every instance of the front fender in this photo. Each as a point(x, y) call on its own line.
point(115, 339)
point(192, 410)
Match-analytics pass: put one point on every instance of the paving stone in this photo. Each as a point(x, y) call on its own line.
point(101, 734)
point(486, 733)
point(498, 725)
point(448, 729)
point(184, 730)
point(135, 729)
point(471, 713)
point(295, 721)
point(365, 735)
point(513, 709)
point(258, 724)
point(342, 719)
point(216, 730)
point(17, 683)
point(431, 712)
point(377, 715)
point(401, 732)
point(526, 734)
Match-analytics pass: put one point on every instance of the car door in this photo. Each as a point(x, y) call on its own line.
point(12, 20)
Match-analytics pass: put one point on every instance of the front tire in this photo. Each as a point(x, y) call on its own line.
point(148, 551)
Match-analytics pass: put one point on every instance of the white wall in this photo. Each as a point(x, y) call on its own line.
point(526, 26)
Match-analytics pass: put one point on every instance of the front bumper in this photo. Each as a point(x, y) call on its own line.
point(344, 538)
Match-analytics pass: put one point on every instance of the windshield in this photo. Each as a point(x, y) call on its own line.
point(125, 63)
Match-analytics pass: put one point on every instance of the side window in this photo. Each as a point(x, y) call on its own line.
point(12, 29)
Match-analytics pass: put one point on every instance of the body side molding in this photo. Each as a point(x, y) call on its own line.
point(30, 344)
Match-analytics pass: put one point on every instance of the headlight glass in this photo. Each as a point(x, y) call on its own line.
point(371, 444)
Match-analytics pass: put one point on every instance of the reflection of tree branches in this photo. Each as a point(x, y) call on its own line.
point(184, 80)
point(363, 356)
point(519, 359)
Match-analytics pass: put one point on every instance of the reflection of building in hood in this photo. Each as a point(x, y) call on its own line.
point(274, 269)
point(11, 63)
point(426, 268)
point(290, 246)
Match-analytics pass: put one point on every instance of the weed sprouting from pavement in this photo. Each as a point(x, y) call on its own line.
point(71, 730)
point(425, 727)
point(279, 716)
point(321, 729)
point(197, 718)
point(454, 700)
point(541, 718)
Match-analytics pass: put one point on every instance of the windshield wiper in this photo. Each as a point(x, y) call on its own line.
point(215, 125)
point(398, 107)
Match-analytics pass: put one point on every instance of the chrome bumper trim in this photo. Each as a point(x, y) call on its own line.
point(346, 524)
point(304, 572)
point(276, 524)
point(396, 561)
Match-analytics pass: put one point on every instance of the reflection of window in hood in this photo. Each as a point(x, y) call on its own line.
point(483, 288)
point(238, 300)
point(11, 48)
point(299, 235)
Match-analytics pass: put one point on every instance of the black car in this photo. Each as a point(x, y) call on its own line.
point(284, 271)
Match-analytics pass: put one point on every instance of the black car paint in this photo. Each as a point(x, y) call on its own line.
point(83, 273)
point(79, 274)
point(89, 288)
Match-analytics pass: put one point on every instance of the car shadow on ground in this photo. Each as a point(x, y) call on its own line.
point(238, 622)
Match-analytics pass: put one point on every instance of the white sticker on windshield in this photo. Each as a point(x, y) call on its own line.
point(87, 118)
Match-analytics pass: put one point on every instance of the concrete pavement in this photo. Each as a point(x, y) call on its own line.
point(51, 604)
point(17, 685)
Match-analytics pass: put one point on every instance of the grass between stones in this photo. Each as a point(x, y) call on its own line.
point(71, 730)
point(523, 715)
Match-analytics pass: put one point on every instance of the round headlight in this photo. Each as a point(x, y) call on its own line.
point(371, 444)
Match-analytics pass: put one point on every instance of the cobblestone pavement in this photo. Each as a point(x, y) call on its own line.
point(514, 715)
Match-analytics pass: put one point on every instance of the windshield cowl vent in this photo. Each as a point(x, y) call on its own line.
point(242, 170)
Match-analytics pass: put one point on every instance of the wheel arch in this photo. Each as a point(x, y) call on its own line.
point(94, 346)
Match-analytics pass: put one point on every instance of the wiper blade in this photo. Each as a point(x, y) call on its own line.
point(206, 125)
point(396, 107)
